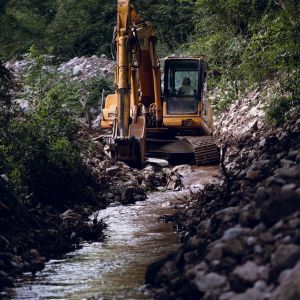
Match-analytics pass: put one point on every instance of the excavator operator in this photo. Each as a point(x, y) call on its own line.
point(186, 89)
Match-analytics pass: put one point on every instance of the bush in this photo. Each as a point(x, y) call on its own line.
point(6, 83)
point(40, 150)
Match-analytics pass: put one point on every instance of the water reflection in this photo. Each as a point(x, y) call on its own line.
point(116, 268)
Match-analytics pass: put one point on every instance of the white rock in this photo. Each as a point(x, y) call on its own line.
point(211, 282)
point(183, 169)
point(248, 271)
point(161, 162)
point(77, 70)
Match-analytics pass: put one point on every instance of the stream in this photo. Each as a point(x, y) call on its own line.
point(115, 269)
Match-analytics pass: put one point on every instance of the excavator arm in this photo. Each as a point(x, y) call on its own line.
point(138, 84)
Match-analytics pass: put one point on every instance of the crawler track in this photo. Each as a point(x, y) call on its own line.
point(205, 149)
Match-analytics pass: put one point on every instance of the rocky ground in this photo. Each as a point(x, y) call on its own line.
point(38, 233)
point(78, 68)
point(241, 236)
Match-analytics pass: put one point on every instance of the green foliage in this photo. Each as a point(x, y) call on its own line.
point(40, 151)
point(278, 109)
point(71, 28)
point(247, 43)
point(94, 88)
point(6, 84)
point(81, 28)
point(174, 21)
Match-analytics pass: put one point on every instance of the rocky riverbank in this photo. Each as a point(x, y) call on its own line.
point(241, 236)
point(32, 233)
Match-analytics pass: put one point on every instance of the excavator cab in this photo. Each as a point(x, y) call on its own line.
point(184, 92)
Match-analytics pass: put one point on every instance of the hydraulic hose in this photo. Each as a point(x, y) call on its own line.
point(136, 50)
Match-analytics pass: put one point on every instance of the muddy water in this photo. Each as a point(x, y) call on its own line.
point(116, 268)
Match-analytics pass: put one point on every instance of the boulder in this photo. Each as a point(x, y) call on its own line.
point(211, 283)
point(183, 169)
point(234, 247)
point(250, 294)
point(286, 256)
point(249, 271)
point(234, 233)
point(112, 171)
point(227, 214)
point(215, 251)
point(162, 162)
point(288, 288)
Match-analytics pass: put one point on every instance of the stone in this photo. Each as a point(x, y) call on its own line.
point(227, 214)
point(250, 294)
point(183, 169)
point(253, 174)
point(112, 171)
point(127, 196)
point(4, 177)
point(117, 198)
point(278, 206)
point(288, 172)
point(227, 296)
point(138, 197)
point(215, 251)
point(285, 257)
point(70, 215)
point(248, 217)
point(211, 283)
point(287, 188)
point(162, 162)
point(35, 253)
point(233, 233)
point(104, 164)
point(289, 287)
point(234, 247)
point(247, 272)
point(192, 244)
point(77, 70)
point(110, 195)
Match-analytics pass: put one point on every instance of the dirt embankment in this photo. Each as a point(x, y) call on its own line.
point(241, 237)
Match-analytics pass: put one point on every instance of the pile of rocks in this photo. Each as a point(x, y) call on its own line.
point(122, 184)
point(84, 68)
point(241, 237)
point(78, 68)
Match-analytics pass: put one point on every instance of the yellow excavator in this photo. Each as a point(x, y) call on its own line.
point(175, 124)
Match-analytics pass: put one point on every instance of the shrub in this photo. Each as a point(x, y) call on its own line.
point(40, 150)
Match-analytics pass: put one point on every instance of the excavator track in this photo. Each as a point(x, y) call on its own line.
point(205, 149)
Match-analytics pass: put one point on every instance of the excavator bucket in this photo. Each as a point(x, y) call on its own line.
point(131, 150)
point(128, 150)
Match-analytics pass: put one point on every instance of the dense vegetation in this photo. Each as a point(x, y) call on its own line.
point(41, 152)
point(245, 42)
point(249, 44)
point(73, 28)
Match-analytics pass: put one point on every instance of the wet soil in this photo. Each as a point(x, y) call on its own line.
point(116, 268)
